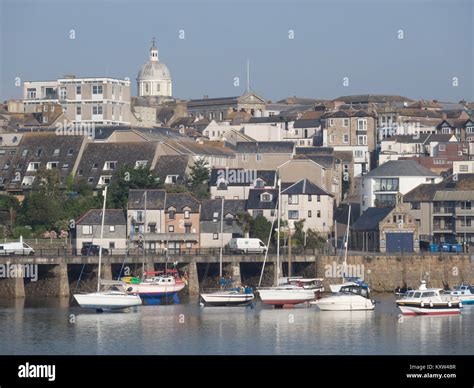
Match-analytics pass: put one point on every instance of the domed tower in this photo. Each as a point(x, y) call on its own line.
point(154, 77)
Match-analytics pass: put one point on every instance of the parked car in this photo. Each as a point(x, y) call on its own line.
point(247, 245)
point(16, 248)
point(93, 250)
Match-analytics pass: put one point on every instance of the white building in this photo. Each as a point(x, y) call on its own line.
point(154, 77)
point(463, 167)
point(381, 186)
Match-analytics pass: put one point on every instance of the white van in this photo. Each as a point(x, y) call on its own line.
point(16, 248)
point(247, 245)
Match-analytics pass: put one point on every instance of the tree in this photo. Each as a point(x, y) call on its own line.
point(260, 228)
point(199, 178)
point(43, 206)
point(299, 232)
point(129, 177)
point(314, 240)
point(244, 220)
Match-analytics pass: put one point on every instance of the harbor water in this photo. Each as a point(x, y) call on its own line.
point(51, 326)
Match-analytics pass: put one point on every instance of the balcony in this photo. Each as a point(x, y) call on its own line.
point(384, 188)
point(443, 211)
point(443, 228)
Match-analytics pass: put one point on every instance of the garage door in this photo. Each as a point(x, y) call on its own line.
point(400, 242)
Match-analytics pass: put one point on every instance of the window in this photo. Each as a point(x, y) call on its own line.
point(358, 154)
point(259, 183)
point(293, 214)
point(39, 152)
point(63, 93)
point(215, 216)
point(265, 197)
point(86, 229)
point(293, 199)
point(346, 138)
point(171, 228)
point(215, 236)
point(105, 179)
point(345, 123)
point(33, 166)
point(70, 152)
point(141, 163)
point(332, 138)
point(56, 152)
point(310, 197)
point(171, 214)
point(442, 147)
point(466, 205)
point(97, 89)
point(112, 228)
point(95, 166)
point(415, 206)
point(78, 90)
point(362, 139)
point(78, 111)
point(110, 165)
point(258, 157)
point(52, 165)
point(24, 153)
point(319, 198)
point(310, 213)
point(362, 124)
point(463, 167)
point(31, 93)
point(111, 244)
point(318, 213)
point(97, 110)
point(331, 122)
point(186, 214)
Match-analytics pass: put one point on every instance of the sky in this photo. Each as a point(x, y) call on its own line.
point(356, 41)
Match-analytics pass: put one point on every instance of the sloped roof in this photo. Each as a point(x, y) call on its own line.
point(112, 217)
point(155, 199)
point(231, 206)
point(305, 186)
point(397, 168)
point(182, 200)
point(269, 176)
point(172, 165)
point(264, 147)
point(253, 201)
point(370, 219)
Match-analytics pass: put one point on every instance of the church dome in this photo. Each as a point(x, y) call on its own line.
point(154, 70)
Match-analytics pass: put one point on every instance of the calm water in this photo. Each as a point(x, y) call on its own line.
point(42, 327)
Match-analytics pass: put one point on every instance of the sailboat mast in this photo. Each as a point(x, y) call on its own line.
point(277, 271)
point(101, 239)
point(222, 238)
point(144, 238)
point(346, 244)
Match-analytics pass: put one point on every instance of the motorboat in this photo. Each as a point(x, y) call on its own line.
point(236, 296)
point(291, 291)
point(112, 295)
point(428, 301)
point(349, 282)
point(156, 285)
point(351, 297)
point(464, 292)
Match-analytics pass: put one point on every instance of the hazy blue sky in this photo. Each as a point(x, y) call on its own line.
point(332, 40)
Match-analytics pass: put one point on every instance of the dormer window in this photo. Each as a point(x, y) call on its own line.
point(171, 179)
point(265, 197)
point(95, 166)
point(56, 152)
point(141, 163)
point(70, 152)
point(51, 165)
point(110, 166)
point(171, 213)
point(104, 180)
point(215, 216)
point(187, 214)
point(33, 166)
point(39, 151)
point(28, 180)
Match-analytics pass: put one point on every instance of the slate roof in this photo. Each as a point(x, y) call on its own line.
point(112, 217)
point(172, 165)
point(253, 201)
point(155, 199)
point(305, 186)
point(182, 200)
point(398, 168)
point(269, 176)
point(307, 123)
point(270, 147)
point(272, 119)
point(427, 192)
point(370, 219)
point(231, 206)
point(96, 154)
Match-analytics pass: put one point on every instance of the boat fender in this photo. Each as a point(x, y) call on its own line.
point(449, 304)
point(460, 304)
point(431, 304)
point(129, 289)
point(422, 304)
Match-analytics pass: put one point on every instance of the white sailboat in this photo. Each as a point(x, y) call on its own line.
point(234, 296)
point(291, 290)
point(110, 295)
point(347, 281)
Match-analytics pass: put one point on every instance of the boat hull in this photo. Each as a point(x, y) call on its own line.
point(155, 291)
point(344, 303)
point(437, 309)
point(281, 297)
point(107, 302)
point(226, 299)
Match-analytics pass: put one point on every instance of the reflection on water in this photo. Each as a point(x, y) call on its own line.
point(52, 327)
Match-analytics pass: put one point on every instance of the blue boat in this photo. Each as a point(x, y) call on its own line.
point(464, 292)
